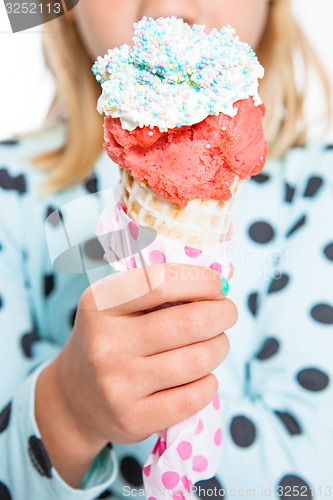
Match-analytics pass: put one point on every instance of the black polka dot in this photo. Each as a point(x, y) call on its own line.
point(1, 302)
point(91, 184)
point(290, 422)
point(243, 431)
point(278, 283)
point(1, 247)
point(328, 251)
point(260, 178)
point(93, 249)
point(301, 488)
point(105, 494)
point(9, 182)
point(296, 226)
point(289, 193)
point(270, 347)
point(72, 317)
point(4, 492)
point(313, 379)
point(53, 216)
point(4, 418)
point(323, 313)
point(48, 284)
point(131, 471)
point(9, 142)
point(211, 488)
point(110, 446)
point(261, 232)
point(39, 456)
point(27, 340)
point(314, 183)
point(253, 303)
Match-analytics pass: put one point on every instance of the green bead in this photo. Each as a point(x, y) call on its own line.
point(225, 285)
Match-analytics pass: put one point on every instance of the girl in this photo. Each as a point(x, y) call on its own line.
point(76, 379)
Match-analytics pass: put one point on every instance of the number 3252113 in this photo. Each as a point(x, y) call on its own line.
point(33, 8)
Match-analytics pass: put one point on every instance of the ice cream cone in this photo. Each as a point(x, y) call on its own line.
point(202, 223)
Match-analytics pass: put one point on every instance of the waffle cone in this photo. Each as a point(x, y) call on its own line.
point(202, 223)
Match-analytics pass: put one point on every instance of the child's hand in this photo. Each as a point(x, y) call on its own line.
point(124, 374)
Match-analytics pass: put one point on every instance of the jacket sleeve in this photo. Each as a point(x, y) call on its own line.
point(25, 468)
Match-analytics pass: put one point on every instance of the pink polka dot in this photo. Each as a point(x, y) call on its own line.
point(157, 257)
point(218, 437)
point(170, 479)
point(187, 483)
point(216, 401)
point(161, 448)
point(156, 447)
point(199, 428)
point(119, 206)
point(178, 495)
point(216, 266)
point(133, 229)
point(200, 463)
point(192, 252)
point(131, 264)
point(185, 450)
point(100, 227)
point(146, 470)
point(152, 498)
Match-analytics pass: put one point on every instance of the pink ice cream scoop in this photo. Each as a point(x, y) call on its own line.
point(193, 161)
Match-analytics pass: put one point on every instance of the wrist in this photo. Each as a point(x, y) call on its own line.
point(71, 449)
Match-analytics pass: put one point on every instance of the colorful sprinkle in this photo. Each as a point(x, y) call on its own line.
point(173, 68)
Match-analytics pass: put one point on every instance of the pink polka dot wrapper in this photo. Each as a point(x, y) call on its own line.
point(127, 245)
point(187, 452)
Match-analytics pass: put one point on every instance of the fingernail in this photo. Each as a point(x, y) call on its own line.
point(225, 285)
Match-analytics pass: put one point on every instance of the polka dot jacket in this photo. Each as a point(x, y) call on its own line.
point(276, 384)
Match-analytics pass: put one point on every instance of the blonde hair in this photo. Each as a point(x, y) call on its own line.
point(67, 58)
point(283, 51)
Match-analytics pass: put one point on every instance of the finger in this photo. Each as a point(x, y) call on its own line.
point(144, 288)
point(184, 365)
point(181, 325)
point(166, 408)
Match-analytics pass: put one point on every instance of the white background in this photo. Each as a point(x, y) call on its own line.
point(26, 88)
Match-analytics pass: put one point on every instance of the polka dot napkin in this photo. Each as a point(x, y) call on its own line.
point(187, 452)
